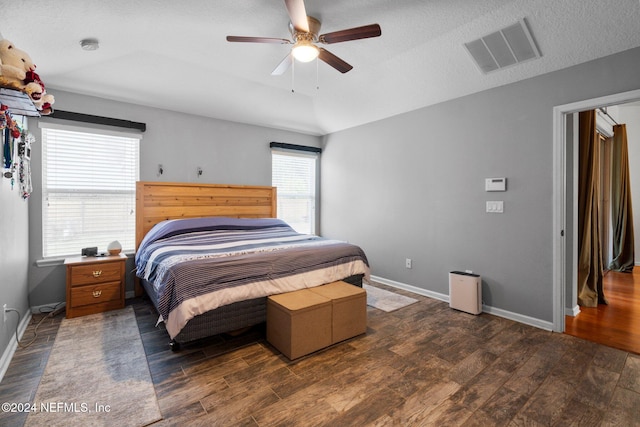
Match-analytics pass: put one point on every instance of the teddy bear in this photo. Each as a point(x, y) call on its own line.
point(14, 65)
point(18, 72)
point(37, 92)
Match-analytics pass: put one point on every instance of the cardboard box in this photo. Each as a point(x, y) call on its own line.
point(298, 323)
point(349, 304)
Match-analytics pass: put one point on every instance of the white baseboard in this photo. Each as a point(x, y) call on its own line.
point(13, 345)
point(521, 318)
point(573, 312)
point(410, 288)
point(527, 320)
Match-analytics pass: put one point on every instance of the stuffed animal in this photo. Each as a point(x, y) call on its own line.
point(18, 72)
point(37, 92)
point(44, 106)
point(15, 64)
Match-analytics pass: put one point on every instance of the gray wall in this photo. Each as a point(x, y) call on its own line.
point(14, 258)
point(228, 153)
point(412, 186)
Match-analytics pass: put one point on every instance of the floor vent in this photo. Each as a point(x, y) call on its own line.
point(509, 46)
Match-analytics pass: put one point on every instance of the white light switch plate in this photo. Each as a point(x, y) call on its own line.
point(495, 206)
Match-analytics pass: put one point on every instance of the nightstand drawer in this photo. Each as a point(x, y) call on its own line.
point(95, 294)
point(95, 273)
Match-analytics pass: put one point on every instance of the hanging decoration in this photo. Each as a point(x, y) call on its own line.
point(11, 130)
point(6, 150)
point(23, 93)
point(16, 152)
point(24, 169)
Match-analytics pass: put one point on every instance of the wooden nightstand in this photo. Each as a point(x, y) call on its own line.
point(95, 284)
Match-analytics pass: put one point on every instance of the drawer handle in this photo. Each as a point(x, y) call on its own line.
point(96, 294)
point(97, 273)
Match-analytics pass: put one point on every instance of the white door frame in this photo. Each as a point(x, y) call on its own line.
point(560, 181)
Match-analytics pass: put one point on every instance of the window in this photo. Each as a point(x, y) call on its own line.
point(294, 173)
point(88, 189)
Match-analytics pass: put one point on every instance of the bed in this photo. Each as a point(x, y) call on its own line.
point(208, 256)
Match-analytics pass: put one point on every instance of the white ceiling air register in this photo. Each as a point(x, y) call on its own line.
point(504, 48)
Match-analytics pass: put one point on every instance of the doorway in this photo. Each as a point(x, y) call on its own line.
point(616, 324)
point(565, 203)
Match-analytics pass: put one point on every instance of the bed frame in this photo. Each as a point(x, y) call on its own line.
point(159, 201)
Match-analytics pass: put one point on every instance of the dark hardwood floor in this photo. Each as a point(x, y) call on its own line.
point(422, 365)
point(616, 324)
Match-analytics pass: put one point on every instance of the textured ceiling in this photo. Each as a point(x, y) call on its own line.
point(174, 55)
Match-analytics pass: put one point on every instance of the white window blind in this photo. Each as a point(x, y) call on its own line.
point(294, 175)
point(88, 189)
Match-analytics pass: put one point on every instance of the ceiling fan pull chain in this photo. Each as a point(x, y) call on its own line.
point(317, 78)
point(293, 72)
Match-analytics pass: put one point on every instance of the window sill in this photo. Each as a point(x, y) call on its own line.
point(49, 262)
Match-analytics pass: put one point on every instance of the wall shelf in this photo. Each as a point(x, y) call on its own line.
point(18, 102)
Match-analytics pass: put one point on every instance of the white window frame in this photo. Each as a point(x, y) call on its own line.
point(121, 226)
point(313, 198)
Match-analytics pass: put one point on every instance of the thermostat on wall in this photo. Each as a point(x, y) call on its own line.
point(495, 184)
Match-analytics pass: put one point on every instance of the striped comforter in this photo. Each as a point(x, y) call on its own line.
point(197, 265)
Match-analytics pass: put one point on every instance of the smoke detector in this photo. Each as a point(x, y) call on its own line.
point(89, 44)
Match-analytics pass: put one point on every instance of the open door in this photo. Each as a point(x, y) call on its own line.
point(604, 202)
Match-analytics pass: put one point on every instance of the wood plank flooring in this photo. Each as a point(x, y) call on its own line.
point(422, 365)
point(616, 324)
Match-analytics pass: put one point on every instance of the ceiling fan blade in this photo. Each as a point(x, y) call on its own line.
point(243, 39)
point(356, 33)
point(297, 14)
point(283, 65)
point(334, 61)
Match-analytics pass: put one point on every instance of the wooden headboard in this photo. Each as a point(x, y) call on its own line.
point(159, 201)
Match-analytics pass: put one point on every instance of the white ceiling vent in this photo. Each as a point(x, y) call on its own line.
point(509, 46)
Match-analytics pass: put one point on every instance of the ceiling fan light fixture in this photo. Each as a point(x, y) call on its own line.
point(305, 34)
point(305, 51)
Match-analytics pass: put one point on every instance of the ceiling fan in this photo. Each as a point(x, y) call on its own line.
point(304, 32)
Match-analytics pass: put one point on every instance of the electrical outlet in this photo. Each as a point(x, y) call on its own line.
point(407, 263)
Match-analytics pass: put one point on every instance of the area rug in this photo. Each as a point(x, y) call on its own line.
point(97, 375)
point(385, 300)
